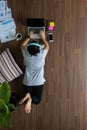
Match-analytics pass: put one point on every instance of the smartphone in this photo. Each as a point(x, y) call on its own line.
point(50, 37)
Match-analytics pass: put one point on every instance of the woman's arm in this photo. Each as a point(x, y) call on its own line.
point(26, 41)
point(42, 35)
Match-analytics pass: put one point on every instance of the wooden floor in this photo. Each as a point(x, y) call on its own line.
point(64, 100)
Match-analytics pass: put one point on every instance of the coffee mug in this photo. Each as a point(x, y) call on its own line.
point(18, 36)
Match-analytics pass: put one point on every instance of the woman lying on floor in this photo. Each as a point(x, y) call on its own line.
point(34, 59)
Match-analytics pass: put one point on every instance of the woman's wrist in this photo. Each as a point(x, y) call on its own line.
point(42, 37)
point(28, 37)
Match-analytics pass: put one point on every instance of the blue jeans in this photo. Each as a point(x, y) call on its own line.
point(35, 92)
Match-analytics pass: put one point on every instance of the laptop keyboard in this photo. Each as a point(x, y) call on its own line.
point(36, 30)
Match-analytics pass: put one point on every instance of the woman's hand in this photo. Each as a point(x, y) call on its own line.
point(31, 34)
point(42, 33)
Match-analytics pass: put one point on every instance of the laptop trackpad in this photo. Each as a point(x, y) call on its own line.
point(36, 36)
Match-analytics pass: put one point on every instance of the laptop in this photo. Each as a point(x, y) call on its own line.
point(35, 24)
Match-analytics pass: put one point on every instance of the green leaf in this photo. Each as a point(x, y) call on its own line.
point(2, 121)
point(8, 121)
point(4, 110)
point(5, 91)
point(11, 106)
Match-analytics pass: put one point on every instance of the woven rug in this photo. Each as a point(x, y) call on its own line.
point(9, 69)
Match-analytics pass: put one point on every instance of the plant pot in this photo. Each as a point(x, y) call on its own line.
point(14, 99)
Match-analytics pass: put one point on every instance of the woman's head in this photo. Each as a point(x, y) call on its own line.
point(33, 48)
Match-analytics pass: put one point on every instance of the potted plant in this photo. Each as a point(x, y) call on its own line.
point(6, 104)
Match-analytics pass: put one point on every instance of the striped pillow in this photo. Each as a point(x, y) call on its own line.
point(9, 70)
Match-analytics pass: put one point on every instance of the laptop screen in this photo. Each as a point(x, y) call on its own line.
point(35, 22)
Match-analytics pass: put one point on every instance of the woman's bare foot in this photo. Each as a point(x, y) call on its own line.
point(28, 105)
point(27, 96)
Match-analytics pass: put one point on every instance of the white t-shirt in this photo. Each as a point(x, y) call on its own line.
point(34, 68)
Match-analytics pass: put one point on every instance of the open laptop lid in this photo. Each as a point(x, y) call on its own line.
point(35, 22)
